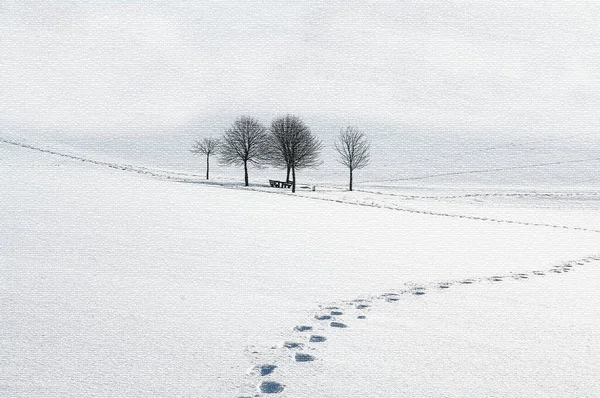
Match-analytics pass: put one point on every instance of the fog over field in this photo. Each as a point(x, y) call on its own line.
point(129, 68)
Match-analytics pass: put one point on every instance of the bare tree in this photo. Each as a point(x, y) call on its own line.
point(279, 144)
point(207, 146)
point(354, 149)
point(293, 146)
point(244, 143)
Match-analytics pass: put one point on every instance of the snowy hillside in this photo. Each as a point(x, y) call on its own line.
point(124, 282)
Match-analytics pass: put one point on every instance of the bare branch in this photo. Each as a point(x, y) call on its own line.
point(291, 145)
point(244, 142)
point(353, 148)
point(207, 146)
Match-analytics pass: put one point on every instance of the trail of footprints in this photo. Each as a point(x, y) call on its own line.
point(394, 207)
point(187, 178)
point(305, 338)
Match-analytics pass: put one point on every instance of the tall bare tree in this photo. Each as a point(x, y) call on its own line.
point(244, 143)
point(293, 146)
point(354, 149)
point(207, 146)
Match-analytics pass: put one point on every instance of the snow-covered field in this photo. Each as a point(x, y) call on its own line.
point(131, 278)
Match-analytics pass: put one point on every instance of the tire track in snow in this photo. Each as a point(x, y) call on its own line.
point(184, 178)
point(304, 341)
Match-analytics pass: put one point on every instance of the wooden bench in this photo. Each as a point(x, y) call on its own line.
point(280, 184)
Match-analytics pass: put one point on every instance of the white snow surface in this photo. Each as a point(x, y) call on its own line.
point(121, 280)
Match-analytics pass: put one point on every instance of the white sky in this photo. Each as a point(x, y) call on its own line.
point(126, 66)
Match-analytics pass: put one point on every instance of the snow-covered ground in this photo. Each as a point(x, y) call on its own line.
point(128, 278)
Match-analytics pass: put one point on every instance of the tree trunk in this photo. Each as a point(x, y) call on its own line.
point(287, 178)
point(207, 166)
point(293, 179)
point(351, 179)
point(246, 172)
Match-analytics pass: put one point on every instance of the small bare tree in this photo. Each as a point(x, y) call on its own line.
point(207, 146)
point(244, 143)
point(292, 146)
point(354, 149)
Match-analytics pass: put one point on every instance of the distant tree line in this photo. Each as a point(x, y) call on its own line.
point(287, 144)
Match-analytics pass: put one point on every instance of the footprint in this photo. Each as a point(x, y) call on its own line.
point(302, 328)
point(322, 317)
point(337, 313)
point(391, 296)
point(270, 387)
point(467, 282)
point(263, 370)
point(337, 325)
point(418, 293)
point(317, 339)
point(291, 344)
point(496, 279)
point(362, 306)
point(444, 285)
point(539, 273)
point(299, 357)
point(362, 317)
